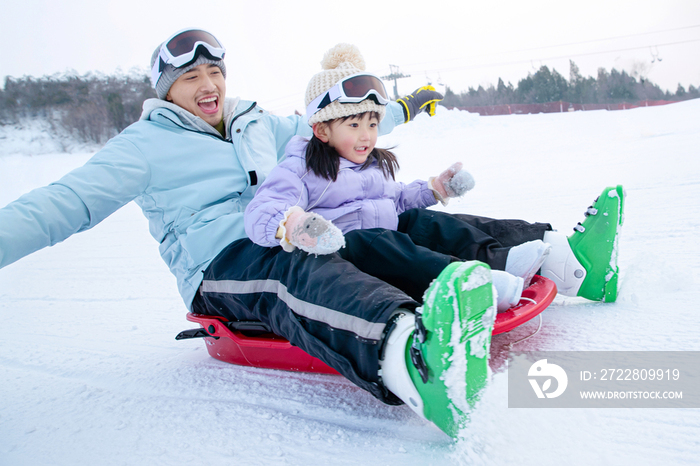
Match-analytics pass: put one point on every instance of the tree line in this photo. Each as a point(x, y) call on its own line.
point(92, 107)
point(550, 86)
point(96, 107)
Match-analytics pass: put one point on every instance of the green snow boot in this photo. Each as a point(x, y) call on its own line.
point(585, 263)
point(443, 351)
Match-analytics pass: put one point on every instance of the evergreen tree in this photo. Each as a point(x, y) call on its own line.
point(504, 94)
point(680, 92)
point(621, 87)
point(544, 86)
point(451, 99)
point(581, 90)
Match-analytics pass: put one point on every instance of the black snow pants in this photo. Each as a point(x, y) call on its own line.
point(427, 241)
point(335, 306)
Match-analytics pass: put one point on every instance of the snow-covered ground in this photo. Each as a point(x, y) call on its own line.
point(92, 374)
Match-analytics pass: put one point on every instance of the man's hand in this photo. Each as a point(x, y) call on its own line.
point(423, 98)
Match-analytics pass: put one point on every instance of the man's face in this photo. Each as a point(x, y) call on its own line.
point(201, 91)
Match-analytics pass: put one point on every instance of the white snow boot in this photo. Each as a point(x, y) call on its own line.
point(561, 265)
point(394, 373)
point(509, 289)
point(526, 259)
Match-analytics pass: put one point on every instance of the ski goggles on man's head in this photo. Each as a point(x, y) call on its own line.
point(183, 48)
point(351, 90)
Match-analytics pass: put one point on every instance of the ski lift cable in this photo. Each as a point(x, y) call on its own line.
point(567, 44)
point(559, 57)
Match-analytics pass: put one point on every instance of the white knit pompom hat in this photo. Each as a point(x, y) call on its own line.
point(341, 61)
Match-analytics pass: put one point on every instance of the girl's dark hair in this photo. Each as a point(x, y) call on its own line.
point(324, 160)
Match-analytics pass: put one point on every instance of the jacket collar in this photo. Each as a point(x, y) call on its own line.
point(153, 108)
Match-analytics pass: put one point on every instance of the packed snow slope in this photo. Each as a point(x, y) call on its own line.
point(92, 374)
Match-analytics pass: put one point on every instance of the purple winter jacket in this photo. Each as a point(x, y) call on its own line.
point(357, 199)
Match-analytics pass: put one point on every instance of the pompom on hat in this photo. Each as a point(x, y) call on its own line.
point(341, 61)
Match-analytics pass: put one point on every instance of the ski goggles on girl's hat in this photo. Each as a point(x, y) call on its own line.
point(350, 90)
point(183, 48)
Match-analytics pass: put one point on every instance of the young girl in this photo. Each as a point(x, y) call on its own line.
point(336, 192)
point(339, 181)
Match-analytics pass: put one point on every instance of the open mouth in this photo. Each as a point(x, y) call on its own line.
point(209, 105)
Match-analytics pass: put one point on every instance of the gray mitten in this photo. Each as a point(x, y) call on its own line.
point(453, 182)
point(310, 232)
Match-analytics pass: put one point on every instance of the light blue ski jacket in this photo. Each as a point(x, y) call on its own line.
point(192, 184)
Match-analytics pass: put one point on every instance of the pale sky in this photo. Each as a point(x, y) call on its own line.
point(274, 47)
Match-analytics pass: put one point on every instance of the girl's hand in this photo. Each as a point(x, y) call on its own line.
point(310, 232)
point(453, 182)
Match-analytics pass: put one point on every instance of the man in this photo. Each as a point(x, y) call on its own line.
point(192, 163)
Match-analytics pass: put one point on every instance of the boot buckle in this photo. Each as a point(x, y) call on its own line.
point(418, 361)
point(421, 333)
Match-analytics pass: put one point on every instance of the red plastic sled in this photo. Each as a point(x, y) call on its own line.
point(252, 346)
point(248, 344)
point(534, 300)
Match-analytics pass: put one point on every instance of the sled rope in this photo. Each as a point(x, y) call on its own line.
point(529, 336)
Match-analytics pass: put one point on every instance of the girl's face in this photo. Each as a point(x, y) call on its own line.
point(354, 138)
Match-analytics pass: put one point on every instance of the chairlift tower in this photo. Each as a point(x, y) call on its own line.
point(395, 74)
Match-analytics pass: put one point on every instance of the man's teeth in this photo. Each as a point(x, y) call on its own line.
point(207, 100)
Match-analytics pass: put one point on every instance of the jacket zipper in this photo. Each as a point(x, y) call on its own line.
point(230, 126)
